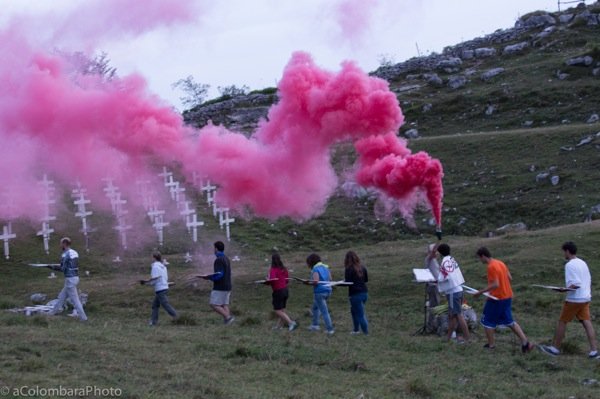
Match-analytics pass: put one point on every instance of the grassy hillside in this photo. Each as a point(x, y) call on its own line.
point(201, 358)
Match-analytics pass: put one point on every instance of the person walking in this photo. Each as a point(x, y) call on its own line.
point(450, 280)
point(159, 279)
point(319, 273)
point(278, 280)
point(497, 312)
point(577, 303)
point(357, 274)
point(69, 265)
point(221, 293)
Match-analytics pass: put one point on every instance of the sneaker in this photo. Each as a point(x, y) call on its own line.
point(549, 350)
point(330, 332)
point(354, 332)
point(151, 324)
point(229, 320)
point(293, 326)
point(488, 346)
point(593, 354)
point(528, 347)
point(314, 328)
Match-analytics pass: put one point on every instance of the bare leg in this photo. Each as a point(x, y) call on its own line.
point(222, 310)
point(561, 329)
point(463, 326)
point(516, 328)
point(283, 316)
point(451, 326)
point(491, 337)
point(591, 334)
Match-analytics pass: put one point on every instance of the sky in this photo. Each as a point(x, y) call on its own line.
point(248, 42)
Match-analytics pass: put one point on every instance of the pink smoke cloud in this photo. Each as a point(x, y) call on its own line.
point(85, 127)
point(387, 165)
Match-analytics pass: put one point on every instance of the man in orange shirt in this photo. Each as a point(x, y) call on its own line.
point(498, 312)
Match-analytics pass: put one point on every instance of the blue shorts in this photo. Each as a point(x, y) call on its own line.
point(497, 313)
point(455, 301)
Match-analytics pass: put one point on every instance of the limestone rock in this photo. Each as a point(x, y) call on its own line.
point(450, 63)
point(512, 227)
point(433, 79)
point(536, 21)
point(565, 18)
point(593, 118)
point(515, 48)
point(467, 54)
point(427, 107)
point(457, 81)
point(490, 109)
point(580, 61)
point(38, 298)
point(541, 176)
point(555, 180)
point(484, 52)
point(490, 73)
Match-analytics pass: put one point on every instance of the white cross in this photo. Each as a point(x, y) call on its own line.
point(6, 236)
point(159, 226)
point(48, 184)
point(187, 258)
point(45, 233)
point(187, 212)
point(193, 224)
point(116, 202)
point(179, 193)
point(82, 212)
point(208, 188)
point(165, 174)
point(174, 189)
point(155, 214)
point(117, 259)
point(122, 229)
point(224, 219)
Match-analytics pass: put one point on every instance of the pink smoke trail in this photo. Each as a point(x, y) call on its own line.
point(354, 17)
point(386, 164)
point(284, 169)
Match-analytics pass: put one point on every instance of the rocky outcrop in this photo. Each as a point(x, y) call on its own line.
point(240, 113)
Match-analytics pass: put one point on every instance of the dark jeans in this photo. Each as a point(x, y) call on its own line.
point(357, 308)
point(161, 299)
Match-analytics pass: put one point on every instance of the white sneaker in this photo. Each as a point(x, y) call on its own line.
point(549, 350)
point(593, 354)
point(292, 326)
point(330, 332)
point(314, 328)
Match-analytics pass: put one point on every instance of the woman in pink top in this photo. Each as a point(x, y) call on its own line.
point(278, 275)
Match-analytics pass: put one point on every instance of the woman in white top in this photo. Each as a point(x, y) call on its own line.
point(159, 278)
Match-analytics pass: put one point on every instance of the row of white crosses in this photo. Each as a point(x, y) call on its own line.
point(78, 194)
point(177, 192)
point(48, 191)
point(116, 203)
point(7, 233)
point(223, 213)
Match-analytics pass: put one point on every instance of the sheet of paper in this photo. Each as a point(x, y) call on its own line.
point(265, 281)
point(474, 291)
point(423, 276)
point(552, 287)
point(336, 283)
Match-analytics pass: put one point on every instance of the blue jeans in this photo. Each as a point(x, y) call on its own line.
point(320, 307)
point(161, 299)
point(357, 308)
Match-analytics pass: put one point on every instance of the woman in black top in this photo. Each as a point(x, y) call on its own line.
point(357, 274)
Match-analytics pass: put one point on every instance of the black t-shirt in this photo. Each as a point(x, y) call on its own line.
point(222, 265)
point(359, 283)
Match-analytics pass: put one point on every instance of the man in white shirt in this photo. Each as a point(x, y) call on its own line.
point(159, 278)
point(450, 280)
point(577, 302)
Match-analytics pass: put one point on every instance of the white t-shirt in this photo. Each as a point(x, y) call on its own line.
point(450, 279)
point(577, 273)
point(162, 282)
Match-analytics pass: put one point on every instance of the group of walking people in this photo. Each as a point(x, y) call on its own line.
point(320, 277)
point(497, 311)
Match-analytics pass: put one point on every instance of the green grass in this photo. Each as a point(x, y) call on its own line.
point(201, 358)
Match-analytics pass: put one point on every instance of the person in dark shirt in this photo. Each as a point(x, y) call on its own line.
point(278, 280)
point(357, 274)
point(221, 278)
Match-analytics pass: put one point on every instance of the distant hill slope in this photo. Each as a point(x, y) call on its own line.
point(531, 90)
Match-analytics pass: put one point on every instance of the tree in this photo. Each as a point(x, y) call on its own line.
point(194, 93)
point(84, 65)
point(233, 91)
